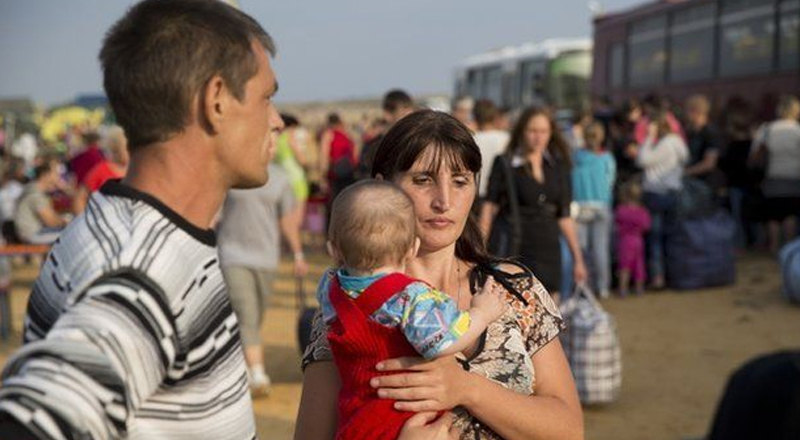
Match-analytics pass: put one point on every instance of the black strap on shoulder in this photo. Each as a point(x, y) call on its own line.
point(482, 271)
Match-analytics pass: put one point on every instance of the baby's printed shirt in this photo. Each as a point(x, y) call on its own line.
point(429, 319)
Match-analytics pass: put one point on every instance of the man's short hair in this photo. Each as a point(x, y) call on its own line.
point(485, 112)
point(698, 103)
point(397, 99)
point(90, 137)
point(372, 224)
point(159, 56)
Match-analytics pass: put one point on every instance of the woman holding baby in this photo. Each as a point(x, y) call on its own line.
point(517, 384)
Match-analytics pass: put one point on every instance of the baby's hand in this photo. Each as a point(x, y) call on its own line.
point(491, 300)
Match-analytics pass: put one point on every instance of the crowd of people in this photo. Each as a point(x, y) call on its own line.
point(145, 319)
point(607, 186)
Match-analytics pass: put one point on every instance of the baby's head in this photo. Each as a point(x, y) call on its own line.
point(372, 225)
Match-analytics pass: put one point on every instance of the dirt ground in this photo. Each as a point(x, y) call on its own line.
point(678, 350)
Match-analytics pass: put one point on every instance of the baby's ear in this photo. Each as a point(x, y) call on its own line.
point(332, 251)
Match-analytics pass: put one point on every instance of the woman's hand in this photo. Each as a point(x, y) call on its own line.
point(419, 427)
point(420, 385)
point(580, 273)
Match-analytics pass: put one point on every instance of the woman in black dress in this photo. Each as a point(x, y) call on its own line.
point(539, 162)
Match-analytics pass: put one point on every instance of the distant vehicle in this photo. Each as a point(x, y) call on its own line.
point(553, 72)
point(725, 49)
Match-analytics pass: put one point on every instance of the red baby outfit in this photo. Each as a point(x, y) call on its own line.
point(358, 344)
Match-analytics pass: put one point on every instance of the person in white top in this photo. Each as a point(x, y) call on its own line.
point(491, 139)
point(662, 156)
point(776, 145)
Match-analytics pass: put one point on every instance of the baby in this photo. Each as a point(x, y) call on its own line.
point(375, 312)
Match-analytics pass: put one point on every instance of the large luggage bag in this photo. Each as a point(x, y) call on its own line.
point(699, 252)
point(790, 270)
point(592, 348)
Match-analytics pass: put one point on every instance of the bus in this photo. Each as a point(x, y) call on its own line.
point(748, 50)
point(553, 72)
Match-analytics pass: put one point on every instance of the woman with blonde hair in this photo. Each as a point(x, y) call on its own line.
point(593, 183)
point(662, 157)
point(776, 146)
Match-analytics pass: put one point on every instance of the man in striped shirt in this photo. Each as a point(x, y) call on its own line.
point(129, 332)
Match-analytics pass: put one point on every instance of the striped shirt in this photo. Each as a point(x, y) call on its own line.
point(130, 332)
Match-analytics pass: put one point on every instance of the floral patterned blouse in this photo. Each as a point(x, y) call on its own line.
point(504, 355)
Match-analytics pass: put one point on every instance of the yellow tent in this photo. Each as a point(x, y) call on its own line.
point(59, 121)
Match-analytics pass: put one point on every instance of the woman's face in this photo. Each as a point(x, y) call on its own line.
point(442, 201)
point(537, 133)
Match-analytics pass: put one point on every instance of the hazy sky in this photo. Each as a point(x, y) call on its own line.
point(326, 49)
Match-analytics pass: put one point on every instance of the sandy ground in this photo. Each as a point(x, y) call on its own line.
point(678, 350)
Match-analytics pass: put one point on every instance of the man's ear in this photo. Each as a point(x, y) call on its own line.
point(212, 108)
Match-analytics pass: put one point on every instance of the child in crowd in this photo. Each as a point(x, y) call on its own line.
point(632, 221)
point(592, 189)
point(375, 312)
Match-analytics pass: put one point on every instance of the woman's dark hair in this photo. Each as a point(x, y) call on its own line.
point(557, 145)
point(452, 144)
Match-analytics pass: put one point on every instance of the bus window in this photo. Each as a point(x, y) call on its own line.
point(746, 37)
point(510, 90)
point(647, 54)
point(616, 65)
point(533, 82)
point(692, 44)
point(492, 85)
point(568, 77)
point(789, 43)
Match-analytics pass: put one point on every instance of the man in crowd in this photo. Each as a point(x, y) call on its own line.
point(130, 332)
point(35, 219)
point(704, 142)
point(491, 140)
point(249, 247)
point(397, 104)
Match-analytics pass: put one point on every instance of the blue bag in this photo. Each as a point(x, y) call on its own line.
point(789, 258)
point(699, 252)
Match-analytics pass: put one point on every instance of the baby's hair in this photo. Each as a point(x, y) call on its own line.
point(630, 192)
point(372, 224)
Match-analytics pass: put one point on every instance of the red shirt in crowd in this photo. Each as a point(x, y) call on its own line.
point(82, 163)
point(101, 172)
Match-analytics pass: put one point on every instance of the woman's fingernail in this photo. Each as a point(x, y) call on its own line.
point(374, 383)
point(381, 393)
point(379, 366)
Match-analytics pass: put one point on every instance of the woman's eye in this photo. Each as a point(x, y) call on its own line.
point(421, 180)
point(461, 181)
